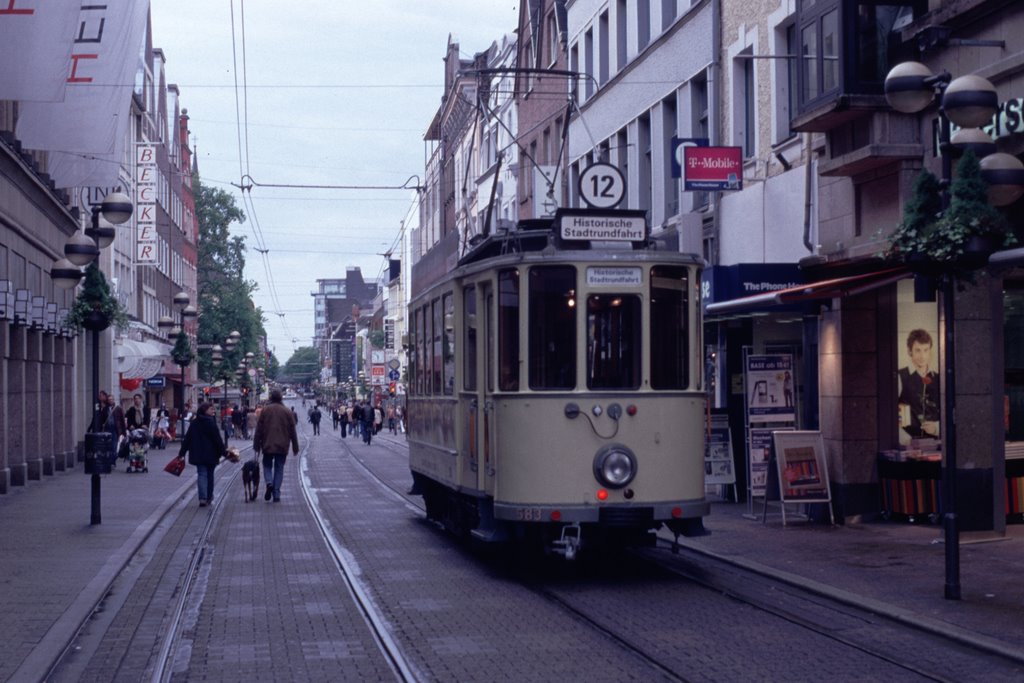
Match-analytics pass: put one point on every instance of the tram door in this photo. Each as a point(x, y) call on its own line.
point(487, 346)
point(478, 300)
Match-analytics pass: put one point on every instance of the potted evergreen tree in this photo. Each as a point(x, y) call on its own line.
point(960, 238)
point(96, 308)
point(182, 351)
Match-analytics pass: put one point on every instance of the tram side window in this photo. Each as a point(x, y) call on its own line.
point(613, 341)
point(411, 388)
point(552, 322)
point(670, 307)
point(508, 330)
point(448, 343)
point(469, 344)
point(418, 353)
point(435, 374)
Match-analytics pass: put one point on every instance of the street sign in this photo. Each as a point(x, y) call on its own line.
point(394, 375)
point(394, 363)
point(602, 186)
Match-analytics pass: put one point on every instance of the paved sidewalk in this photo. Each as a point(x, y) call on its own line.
point(54, 566)
point(893, 568)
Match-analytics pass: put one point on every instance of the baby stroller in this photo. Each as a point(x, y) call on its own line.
point(138, 446)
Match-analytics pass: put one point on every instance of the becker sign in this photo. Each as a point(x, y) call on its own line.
point(712, 168)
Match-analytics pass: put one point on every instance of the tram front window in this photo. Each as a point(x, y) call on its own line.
point(670, 308)
point(552, 323)
point(613, 342)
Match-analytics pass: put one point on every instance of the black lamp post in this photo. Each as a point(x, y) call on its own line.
point(229, 345)
point(79, 251)
point(970, 102)
point(182, 354)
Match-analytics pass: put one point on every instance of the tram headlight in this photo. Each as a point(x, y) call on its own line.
point(614, 466)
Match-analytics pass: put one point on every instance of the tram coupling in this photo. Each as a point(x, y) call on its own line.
point(570, 541)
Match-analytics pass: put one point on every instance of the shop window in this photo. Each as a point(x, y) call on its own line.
point(613, 341)
point(670, 330)
point(552, 327)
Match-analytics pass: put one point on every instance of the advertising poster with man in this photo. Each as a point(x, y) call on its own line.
point(918, 395)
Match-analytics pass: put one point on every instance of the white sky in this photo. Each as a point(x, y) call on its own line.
point(339, 93)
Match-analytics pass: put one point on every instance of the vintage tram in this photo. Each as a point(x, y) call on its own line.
point(554, 391)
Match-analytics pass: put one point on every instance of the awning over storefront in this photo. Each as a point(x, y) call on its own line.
point(813, 291)
point(140, 359)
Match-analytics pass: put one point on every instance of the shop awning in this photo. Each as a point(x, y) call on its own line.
point(813, 291)
point(140, 359)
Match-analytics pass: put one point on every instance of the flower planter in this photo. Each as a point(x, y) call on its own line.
point(96, 321)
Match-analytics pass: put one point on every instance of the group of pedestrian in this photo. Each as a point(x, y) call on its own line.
point(119, 423)
point(275, 432)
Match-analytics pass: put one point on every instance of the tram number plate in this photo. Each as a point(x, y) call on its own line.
point(529, 514)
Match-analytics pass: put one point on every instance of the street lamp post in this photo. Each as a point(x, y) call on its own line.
point(187, 311)
point(970, 102)
point(82, 250)
point(229, 344)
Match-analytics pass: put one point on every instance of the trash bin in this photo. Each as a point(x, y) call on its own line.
point(100, 455)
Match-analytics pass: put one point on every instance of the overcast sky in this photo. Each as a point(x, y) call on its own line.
point(339, 93)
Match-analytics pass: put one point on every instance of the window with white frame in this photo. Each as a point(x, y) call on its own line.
point(668, 13)
point(551, 26)
point(574, 66)
point(744, 128)
point(621, 27)
point(588, 67)
point(700, 127)
point(643, 24)
point(785, 72)
point(669, 126)
point(602, 48)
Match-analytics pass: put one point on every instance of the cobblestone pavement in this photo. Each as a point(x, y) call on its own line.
point(54, 567)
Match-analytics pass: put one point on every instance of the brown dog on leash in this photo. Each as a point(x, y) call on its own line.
point(251, 478)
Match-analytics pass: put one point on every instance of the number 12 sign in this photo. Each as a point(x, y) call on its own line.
point(602, 186)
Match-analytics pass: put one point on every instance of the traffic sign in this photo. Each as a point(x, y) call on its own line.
point(394, 363)
point(394, 375)
point(602, 186)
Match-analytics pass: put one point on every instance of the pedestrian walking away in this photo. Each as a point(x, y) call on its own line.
point(342, 414)
point(368, 415)
point(205, 448)
point(275, 431)
point(314, 419)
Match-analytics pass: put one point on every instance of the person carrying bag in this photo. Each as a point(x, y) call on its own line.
point(205, 448)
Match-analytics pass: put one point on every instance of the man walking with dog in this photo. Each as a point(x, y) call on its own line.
point(275, 431)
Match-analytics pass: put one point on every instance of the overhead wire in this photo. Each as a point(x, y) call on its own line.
point(242, 125)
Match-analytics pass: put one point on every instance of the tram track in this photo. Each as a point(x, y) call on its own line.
point(788, 611)
point(165, 656)
point(369, 611)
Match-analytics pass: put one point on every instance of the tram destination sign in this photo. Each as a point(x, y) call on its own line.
point(602, 226)
point(604, 276)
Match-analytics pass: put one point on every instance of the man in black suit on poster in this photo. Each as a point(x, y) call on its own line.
point(919, 389)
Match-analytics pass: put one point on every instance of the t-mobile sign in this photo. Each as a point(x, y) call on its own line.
point(712, 168)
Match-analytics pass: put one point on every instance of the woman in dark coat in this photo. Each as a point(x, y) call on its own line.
point(205, 448)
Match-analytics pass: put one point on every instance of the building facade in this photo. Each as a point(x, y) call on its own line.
point(59, 157)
